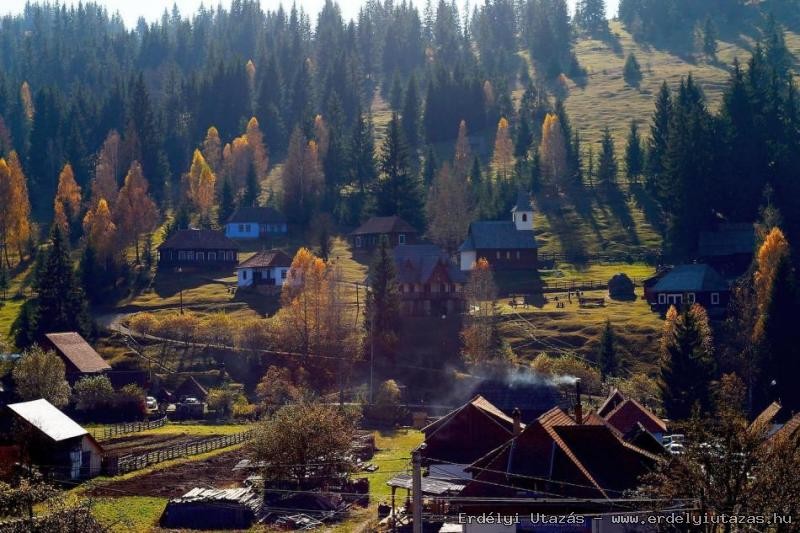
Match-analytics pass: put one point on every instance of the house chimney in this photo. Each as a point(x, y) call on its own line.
point(516, 415)
point(578, 406)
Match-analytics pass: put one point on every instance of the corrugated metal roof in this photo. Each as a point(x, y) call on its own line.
point(691, 278)
point(48, 419)
point(245, 496)
point(498, 234)
point(436, 487)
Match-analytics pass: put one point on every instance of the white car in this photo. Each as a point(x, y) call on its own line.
point(152, 404)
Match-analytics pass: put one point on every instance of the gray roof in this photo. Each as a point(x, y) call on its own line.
point(75, 348)
point(691, 278)
point(381, 225)
point(430, 485)
point(499, 234)
point(258, 215)
point(48, 419)
point(416, 263)
point(198, 239)
point(728, 239)
point(267, 259)
point(523, 202)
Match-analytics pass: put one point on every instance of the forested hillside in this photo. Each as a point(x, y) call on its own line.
point(114, 132)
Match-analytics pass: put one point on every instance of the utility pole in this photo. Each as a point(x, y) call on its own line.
point(371, 351)
point(416, 487)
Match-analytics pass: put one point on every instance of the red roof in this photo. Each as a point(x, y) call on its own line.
point(613, 400)
point(626, 415)
point(78, 352)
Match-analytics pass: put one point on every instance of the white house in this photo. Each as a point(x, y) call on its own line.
point(255, 223)
point(269, 267)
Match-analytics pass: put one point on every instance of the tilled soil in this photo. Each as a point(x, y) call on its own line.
point(216, 472)
point(136, 444)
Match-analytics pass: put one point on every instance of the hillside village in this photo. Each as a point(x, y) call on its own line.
point(513, 267)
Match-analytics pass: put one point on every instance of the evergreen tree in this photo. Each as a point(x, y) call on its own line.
point(607, 351)
point(522, 144)
point(591, 16)
point(60, 303)
point(252, 189)
point(398, 191)
point(710, 38)
point(632, 72)
point(411, 114)
point(659, 137)
point(634, 157)
point(227, 203)
point(687, 362)
point(382, 312)
point(607, 164)
point(430, 167)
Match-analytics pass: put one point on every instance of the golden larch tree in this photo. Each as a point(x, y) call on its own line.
point(488, 94)
point(100, 230)
point(448, 209)
point(15, 216)
point(135, 211)
point(107, 170)
point(322, 135)
point(503, 157)
point(250, 68)
point(212, 149)
point(67, 203)
point(463, 154)
point(27, 100)
point(258, 150)
point(553, 149)
point(774, 249)
point(201, 184)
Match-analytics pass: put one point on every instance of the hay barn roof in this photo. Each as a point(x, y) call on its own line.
point(78, 352)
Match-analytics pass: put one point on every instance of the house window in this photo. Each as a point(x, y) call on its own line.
point(244, 274)
point(201, 256)
point(498, 254)
point(212, 256)
point(190, 256)
point(241, 228)
point(181, 256)
point(524, 217)
point(662, 299)
point(690, 297)
point(714, 298)
point(508, 255)
point(517, 254)
point(229, 256)
point(284, 273)
point(401, 238)
point(358, 242)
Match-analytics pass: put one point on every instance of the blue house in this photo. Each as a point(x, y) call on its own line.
point(255, 223)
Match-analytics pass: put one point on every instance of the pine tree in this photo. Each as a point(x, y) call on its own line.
point(430, 167)
point(60, 304)
point(411, 114)
point(227, 203)
point(632, 72)
point(687, 362)
point(710, 38)
point(382, 312)
point(659, 137)
point(607, 351)
point(591, 16)
point(607, 163)
point(462, 158)
point(252, 188)
point(398, 191)
point(524, 139)
point(634, 158)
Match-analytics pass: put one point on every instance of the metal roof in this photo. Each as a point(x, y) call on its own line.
point(48, 419)
point(523, 202)
point(198, 239)
point(75, 349)
point(691, 278)
point(416, 263)
point(498, 234)
point(436, 487)
point(267, 259)
point(258, 215)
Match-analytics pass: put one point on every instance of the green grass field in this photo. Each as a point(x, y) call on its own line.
point(134, 514)
point(192, 429)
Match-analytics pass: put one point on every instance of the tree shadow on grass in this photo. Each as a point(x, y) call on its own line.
point(617, 201)
point(563, 227)
point(652, 211)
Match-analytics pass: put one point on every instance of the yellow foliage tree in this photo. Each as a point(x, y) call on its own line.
point(553, 149)
point(774, 249)
point(15, 215)
point(27, 100)
point(106, 171)
point(322, 135)
point(212, 149)
point(100, 230)
point(258, 150)
point(503, 157)
point(463, 155)
point(68, 199)
point(448, 209)
point(135, 212)
point(201, 184)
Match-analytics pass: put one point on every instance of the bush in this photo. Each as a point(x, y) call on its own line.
point(130, 402)
point(386, 411)
point(93, 393)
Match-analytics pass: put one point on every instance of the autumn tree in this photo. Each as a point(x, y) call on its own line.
point(448, 209)
point(462, 160)
point(302, 178)
point(503, 155)
point(100, 231)
point(107, 170)
point(135, 212)
point(687, 361)
point(15, 214)
point(277, 388)
point(480, 335)
point(258, 150)
point(553, 150)
point(67, 203)
point(40, 374)
point(212, 149)
point(201, 184)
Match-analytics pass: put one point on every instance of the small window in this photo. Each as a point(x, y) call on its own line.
point(517, 254)
point(201, 256)
point(241, 228)
point(714, 298)
point(401, 238)
point(662, 298)
point(190, 256)
point(212, 256)
point(690, 297)
point(229, 256)
point(358, 242)
point(244, 274)
point(508, 255)
point(524, 217)
point(498, 255)
point(284, 273)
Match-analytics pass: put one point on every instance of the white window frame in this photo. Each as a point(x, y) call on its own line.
point(662, 298)
point(359, 242)
point(401, 239)
point(714, 298)
point(691, 298)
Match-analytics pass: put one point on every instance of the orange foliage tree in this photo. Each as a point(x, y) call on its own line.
point(67, 203)
point(135, 211)
point(503, 157)
point(100, 230)
point(15, 227)
point(553, 149)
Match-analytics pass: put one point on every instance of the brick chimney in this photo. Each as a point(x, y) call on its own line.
point(578, 406)
point(516, 415)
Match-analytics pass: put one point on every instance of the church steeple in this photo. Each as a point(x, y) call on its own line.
point(522, 213)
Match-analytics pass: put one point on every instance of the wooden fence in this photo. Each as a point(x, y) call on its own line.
point(129, 463)
point(581, 285)
point(109, 432)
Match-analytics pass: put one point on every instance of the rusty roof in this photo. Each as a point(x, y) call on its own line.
point(78, 352)
point(625, 416)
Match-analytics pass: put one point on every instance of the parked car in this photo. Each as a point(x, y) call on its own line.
point(152, 403)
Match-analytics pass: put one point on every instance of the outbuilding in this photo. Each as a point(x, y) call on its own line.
point(269, 267)
point(80, 359)
point(199, 249)
point(203, 508)
point(397, 232)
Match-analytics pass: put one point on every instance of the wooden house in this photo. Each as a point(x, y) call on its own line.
point(506, 244)
point(729, 248)
point(55, 442)
point(198, 249)
point(269, 267)
point(396, 230)
point(686, 285)
point(430, 283)
point(80, 359)
point(256, 223)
